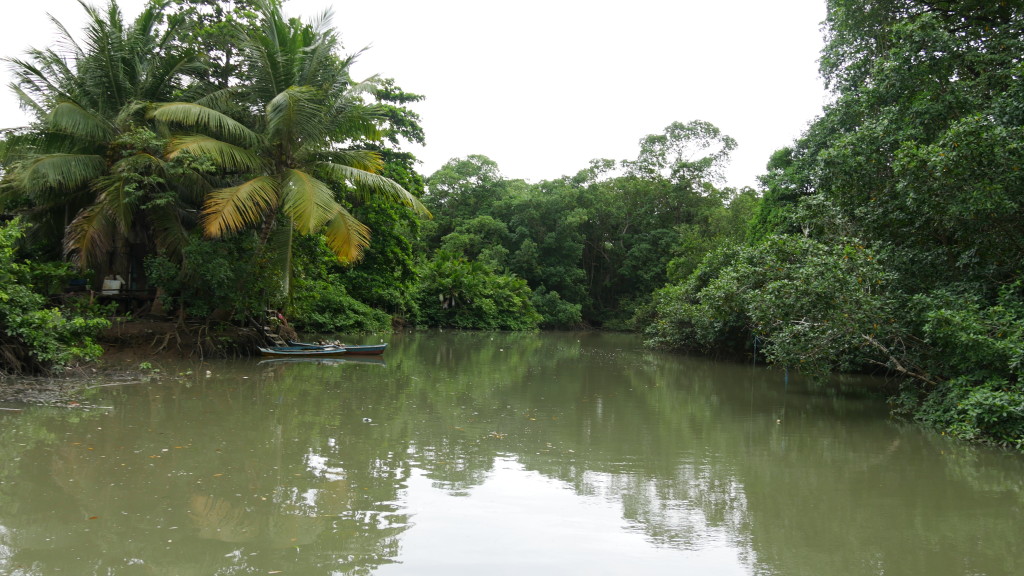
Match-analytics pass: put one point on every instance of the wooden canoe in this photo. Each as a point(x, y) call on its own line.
point(300, 351)
point(352, 349)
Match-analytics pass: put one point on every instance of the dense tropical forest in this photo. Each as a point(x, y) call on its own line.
point(218, 162)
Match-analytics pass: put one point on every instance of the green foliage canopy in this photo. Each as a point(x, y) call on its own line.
point(919, 158)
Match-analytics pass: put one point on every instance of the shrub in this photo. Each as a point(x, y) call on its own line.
point(325, 307)
point(35, 337)
point(454, 292)
point(811, 306)
point(216, 275)
point(555, 312)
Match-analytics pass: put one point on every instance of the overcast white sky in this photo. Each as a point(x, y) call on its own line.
point(544, 86)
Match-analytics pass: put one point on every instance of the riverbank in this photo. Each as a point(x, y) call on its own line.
point(131, 351)
point(129, 343)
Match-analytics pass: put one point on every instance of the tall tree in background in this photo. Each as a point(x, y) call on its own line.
point(596, 245)
point(460, 190)
point(667, 197)
point(214, 25)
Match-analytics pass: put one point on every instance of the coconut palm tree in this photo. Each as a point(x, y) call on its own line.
point(90, 166)
point(293, 152)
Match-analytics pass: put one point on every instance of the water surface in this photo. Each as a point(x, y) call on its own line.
point(471, 453)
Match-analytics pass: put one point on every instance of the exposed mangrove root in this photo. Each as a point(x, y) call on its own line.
point(15, 358)
point(166, 340)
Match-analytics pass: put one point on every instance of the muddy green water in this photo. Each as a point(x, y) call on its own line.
point(468, 453)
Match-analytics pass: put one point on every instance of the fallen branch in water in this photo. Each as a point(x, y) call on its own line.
point(895, 364)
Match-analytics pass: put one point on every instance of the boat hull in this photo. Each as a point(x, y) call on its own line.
point(351, 349)
point(299, 352)
point(328, 361)
point(366, 349)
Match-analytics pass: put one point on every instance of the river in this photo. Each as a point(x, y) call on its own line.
point(474, 453)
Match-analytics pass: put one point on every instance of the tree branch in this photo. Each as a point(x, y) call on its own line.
point(895, 364)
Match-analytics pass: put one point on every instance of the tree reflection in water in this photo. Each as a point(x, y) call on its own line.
point(345, 468)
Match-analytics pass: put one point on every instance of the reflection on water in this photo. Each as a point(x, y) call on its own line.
point(465, 453)
point(520, 521)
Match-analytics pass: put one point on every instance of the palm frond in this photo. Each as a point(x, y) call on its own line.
point(354, 119)
point(368, 184)
point(89, 237)
point(368, 86)
point(192, 188)
point(284, 52)
point(232, 209)
point(219, 100)
point(104, 65)
point(318, 49)
point(296, 115)
point(226, 156)
point(347, 61)
point(66, 42)
point(132, 110)
point(322, 23)
point(198, 117)
point(70, 118)
point(346, 236)
point(60, 172)
point(171, 234)
point(26, 102)
point(366, 160)
point(164, 72)
point(266, 55)
point(145, 24)
point(308, 202)
point(44, 79)
point(163, 75)
point(118, 199)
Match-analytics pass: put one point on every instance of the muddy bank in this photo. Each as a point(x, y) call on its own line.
point(63, 390)
point(149, 340)
point(131, 349)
